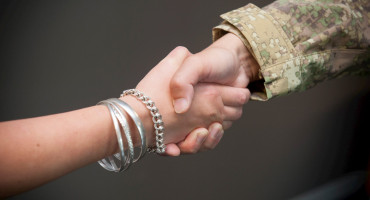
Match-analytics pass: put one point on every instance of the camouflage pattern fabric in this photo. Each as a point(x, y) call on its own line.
point(299, 43)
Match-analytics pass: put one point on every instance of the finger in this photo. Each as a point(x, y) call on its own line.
point(227, 124)
point(193, 141)
point(171, 150)
point(181, 86)
point(233, 96)
point(232, 113)
point(215, 134)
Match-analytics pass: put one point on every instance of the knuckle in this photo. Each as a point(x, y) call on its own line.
point(182, 49)
point(244, 96)
point(214, 115)
point(170, 61)
point(210, 146)
point(227, 124)
point(239, 113)
point(176, 83)
point(211, 92)
point(192, 150)
point(248, 95)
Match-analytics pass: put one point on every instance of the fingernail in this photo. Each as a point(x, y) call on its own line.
point(216, 131)
point(220, 134)
point(201, 137)
point(180, 105)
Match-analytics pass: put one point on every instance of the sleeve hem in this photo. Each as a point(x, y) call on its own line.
point(264, 38)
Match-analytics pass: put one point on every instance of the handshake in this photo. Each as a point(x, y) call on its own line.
point(199, 95)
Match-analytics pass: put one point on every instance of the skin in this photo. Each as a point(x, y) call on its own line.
point(200, 139)
point(37, 150)
point(226, 62)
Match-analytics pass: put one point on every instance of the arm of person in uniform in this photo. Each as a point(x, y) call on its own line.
point(289, 46)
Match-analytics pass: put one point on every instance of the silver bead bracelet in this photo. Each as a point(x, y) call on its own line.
point(156, 117)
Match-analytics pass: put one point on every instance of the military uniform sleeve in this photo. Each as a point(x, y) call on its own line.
point(299, 43)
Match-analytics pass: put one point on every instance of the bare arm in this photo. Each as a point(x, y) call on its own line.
point(37, 150)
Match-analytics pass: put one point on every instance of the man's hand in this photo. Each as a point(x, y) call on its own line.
point(225, 62)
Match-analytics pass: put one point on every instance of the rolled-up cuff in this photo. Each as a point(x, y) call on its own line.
point(266, 40)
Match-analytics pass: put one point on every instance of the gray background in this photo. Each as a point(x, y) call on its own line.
point(56, 56)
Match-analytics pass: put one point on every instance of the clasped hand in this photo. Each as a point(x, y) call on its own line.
point(199, 95)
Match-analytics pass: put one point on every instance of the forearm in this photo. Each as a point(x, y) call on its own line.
point(37, 150)
point(301, 43)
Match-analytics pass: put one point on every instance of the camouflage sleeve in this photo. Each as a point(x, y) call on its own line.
point(299, 43)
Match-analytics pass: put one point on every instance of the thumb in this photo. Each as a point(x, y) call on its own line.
point(183, 82)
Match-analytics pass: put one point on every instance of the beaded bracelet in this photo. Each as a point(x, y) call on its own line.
point(156, 117)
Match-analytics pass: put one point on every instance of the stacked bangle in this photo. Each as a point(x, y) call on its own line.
point(110, 163)
point(126, 156)
point(139, 125)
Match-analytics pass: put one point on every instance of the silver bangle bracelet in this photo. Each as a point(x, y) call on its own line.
point(126, 129)
point(120, 161)
point(109, 163)
point(139, 125)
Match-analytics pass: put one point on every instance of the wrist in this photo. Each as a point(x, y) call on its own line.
point(243, 58)
point(145, 117)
